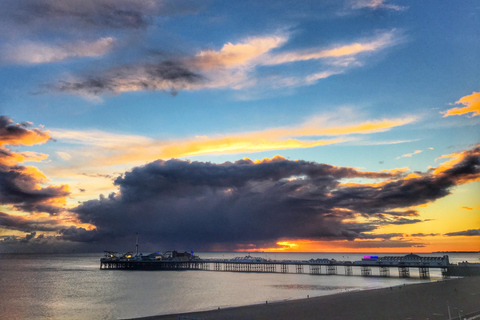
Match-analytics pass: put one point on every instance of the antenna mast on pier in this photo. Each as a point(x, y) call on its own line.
point(137, 244)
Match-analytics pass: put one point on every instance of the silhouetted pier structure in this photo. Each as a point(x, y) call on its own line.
point(185, 261)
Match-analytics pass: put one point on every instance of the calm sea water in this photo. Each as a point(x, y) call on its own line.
point(73, 287)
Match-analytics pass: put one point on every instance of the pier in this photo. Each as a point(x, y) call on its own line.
point(368, 266)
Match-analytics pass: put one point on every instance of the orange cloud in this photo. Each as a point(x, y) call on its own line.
point(305, 245)
point(18, 135)
point(384, 40)
point(372, 185)
point(9, 158)
point(275, 158)
point(471, 103)
point(126, 150)
point(23, 188)
point(227, 145)
point(412, 176)
point(409, 155)
point(35, 175)
point(456, 159)
point(236, 54)
point(232, 66)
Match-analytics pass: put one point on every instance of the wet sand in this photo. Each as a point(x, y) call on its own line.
point(417, 301)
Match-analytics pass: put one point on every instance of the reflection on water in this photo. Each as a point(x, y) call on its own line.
point(313, 287)
point(73, 286)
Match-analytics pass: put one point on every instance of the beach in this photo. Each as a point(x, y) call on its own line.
point(417, 301)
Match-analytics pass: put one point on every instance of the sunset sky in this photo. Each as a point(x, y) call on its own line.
point(239, 125)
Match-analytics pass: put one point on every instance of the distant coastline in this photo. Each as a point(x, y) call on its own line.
point(456, 252)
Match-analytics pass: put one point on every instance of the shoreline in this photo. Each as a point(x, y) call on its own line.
point(416, 301)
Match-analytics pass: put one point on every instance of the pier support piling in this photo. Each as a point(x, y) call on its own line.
point(314, 269)
point(348, 270)
point(424, 272)
point(445, 273)
point(366, 271)
point(404, 272)
point(384, 271)
point(299, 268)
point(331, 269)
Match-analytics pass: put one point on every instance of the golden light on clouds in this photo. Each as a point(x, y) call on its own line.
point(456, 158)
point(227, 145)
point(237, 54)
point(380, 42)
point(24, 137)
point(117, 149)
point(471, 103)
point(10, 158)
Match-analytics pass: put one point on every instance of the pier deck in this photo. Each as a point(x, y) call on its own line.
point(325, 267)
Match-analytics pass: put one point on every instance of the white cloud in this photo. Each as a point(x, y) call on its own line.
point(63, 155)
point(37, 52)
point(379, 42)
point(97, 138)
point(409, 155)
point(239, 54)
point(234, 66)
point(375, 4)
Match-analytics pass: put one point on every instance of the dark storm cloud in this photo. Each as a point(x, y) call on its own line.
point(30, 236)
point(396, 194)
point(468, 168)
point(97, 175)
point(27, 224)
point(228, 203)
point(403, 221)
point(402, 193)
point(21, 189)
point(74, 14)
point(20, 186)
point(77, 234)
point(168, 76)
point(383, 244)
point(89, 85)
point(471, 232)
point(15, 239)
point(19, 133)
point(359, 230)
point(424, 234)
point(33, 243)
point(233, 205)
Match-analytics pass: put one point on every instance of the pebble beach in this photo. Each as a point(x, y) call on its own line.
point(460, 297)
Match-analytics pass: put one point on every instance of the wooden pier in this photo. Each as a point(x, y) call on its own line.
point(274, 266)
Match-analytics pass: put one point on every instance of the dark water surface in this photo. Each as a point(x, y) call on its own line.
point(71, 286)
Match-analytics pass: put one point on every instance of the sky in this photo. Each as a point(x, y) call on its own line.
point(276, 126)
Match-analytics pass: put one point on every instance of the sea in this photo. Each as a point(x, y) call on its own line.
point(72, 286)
